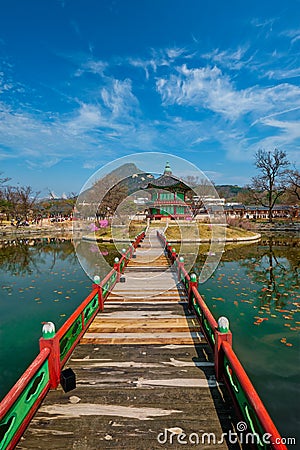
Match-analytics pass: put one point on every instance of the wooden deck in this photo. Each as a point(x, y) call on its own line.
point(142, 367)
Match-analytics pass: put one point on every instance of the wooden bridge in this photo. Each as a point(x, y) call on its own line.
point(152, 369)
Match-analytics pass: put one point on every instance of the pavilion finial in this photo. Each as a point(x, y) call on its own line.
point(168, 170)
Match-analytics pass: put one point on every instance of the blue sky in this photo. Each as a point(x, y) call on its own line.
point(83, 82)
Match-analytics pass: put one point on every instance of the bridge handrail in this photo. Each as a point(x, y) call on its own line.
point(50, 360)
point(265, 421)
point(226, 359)
point(205, 318)
point(31, 388)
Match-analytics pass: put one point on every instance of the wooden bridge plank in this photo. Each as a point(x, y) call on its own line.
point(143, 368)
point(127, 395)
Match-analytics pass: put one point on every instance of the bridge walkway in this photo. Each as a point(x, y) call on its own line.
point(144, 373)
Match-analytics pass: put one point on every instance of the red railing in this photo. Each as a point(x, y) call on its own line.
point(30, 389)
point(22, 401)
point(228, 368)
point(254, 400)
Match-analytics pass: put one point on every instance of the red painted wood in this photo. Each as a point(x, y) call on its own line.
point(53, 359)
point(64, 360)
point(252, 396)
point(117, 269)
point(107, 277)
point(22, 382)
point(223, 345)
point(190, 292)
point(185, 274)
point(210, 318)
point(28, 418)
point(49, 348)
point(100, 296)
point(64, 328)
point(219, 353)
point(239, 415)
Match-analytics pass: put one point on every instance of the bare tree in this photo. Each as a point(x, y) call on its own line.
point(201, 192)
point(293, 183)
point(4, 206)
point(3, 180)
point(10, 201)
point(26, 200)
point(270, 184)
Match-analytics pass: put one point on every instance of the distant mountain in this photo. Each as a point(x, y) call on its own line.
point(124, 171)
point(230, 192)
point(115, 186)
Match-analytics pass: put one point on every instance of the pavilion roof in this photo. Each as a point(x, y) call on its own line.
point(168, 181)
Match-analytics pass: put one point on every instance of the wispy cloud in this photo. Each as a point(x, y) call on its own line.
point(264, 25)
point(92, 66)
point(231, 59)
point(285, 134)
point(202, 104)
point(209, 88)
point(160, 58)
point(120, 100)
point(292, 34)
point(283, 74)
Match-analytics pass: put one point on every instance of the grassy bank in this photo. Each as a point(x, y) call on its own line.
point(120, 232)
point(205, 232)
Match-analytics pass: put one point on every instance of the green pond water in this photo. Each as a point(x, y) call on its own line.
point(256, 286)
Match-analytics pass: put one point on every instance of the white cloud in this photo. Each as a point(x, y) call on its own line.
point(92, 66)
point(264, 23)
point(105, 116)
point(159, 58)
point(231, 59)
point(119, 99)
point(145, 65)
point(199, 140)
point(174, 53)
point(209, 88)
point(280, 74)
point(293, 34)
point(86, 118)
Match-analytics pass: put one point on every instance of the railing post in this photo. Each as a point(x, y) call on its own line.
point(180, 266)
point(99, 289)
point(50, 340)
point(221, 334)
point(173, 254)
point(117, 268)
point(193, 282)
point(125, 259)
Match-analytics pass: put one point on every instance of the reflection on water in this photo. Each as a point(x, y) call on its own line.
point(277, 269)
point(24, 256)
point(257, 288)
point(40, 280)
